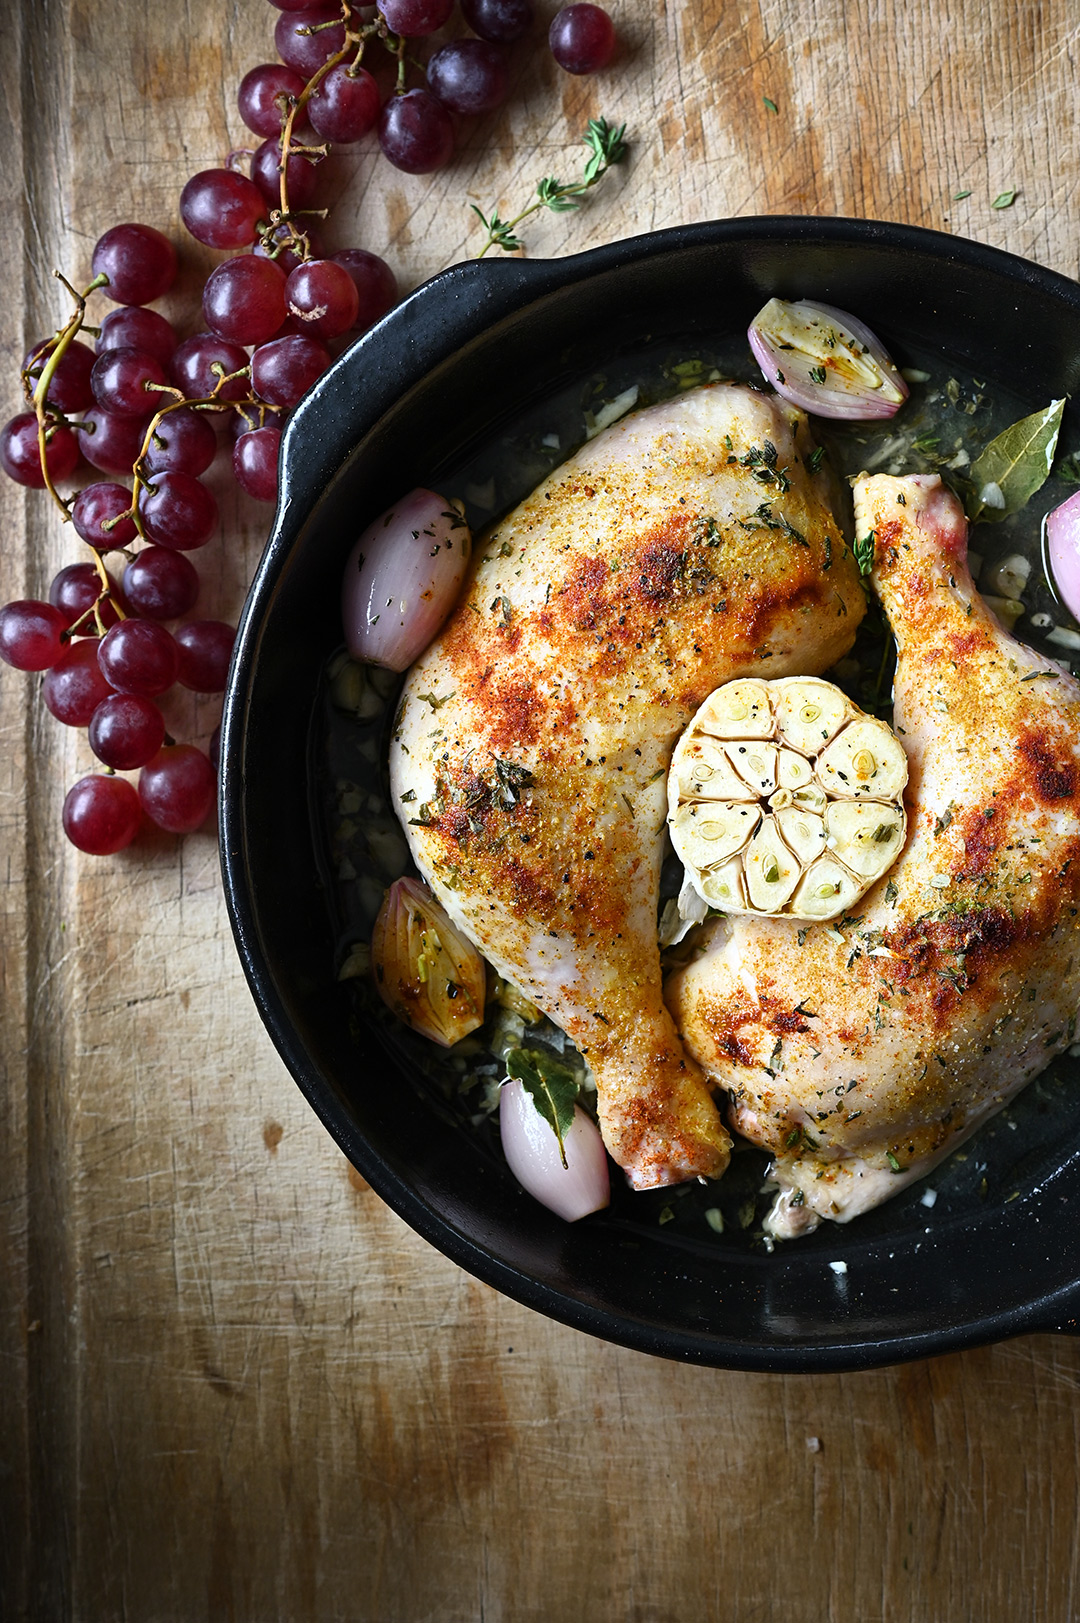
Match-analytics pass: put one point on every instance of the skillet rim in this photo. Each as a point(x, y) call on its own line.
point(428, 328)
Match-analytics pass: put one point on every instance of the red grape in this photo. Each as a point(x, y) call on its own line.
point(120, 382)
point(297, 5)
point(183, 442)
point(302, 180)
point(126, 730)
point(139, 656)
point(138, 260)
point(205, 650)
point(69, 387)
point(244, 299)
point(469, 75)
point(19, 455)
point(93, 507)
point(191, 367)
point(264, 96)
point(285, 369)
point(414, 17)
point(221, 208)
point(499, 20)
point(307, 52)
point(290, 328)
point(178, 512)
point(376, 286)
point(109, 442)
point(345, 105)
point(75, 590)
point(255, 460)
point(31, 634)
point(177, 788)
point(132, 327)
point(101, 814)
point(74, 687)
point(322, 296)
point(415, 132)
point(161, 584)
point(582, 38)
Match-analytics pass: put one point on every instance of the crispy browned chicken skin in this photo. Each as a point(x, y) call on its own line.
point(862, 1055)
point(686, 545)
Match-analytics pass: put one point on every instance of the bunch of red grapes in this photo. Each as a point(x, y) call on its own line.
point(141, 406)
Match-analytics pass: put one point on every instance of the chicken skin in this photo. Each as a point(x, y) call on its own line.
point(690, 543)
point(863, 1053)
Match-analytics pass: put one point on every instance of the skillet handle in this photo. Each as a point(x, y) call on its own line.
point(426, 328)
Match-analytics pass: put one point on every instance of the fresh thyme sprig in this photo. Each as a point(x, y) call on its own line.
point(606, 148)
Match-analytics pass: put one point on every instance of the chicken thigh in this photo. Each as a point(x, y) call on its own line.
point(860, 1055)
point(689, 543)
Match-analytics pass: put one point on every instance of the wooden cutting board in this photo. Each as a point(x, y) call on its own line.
point(235, 1386)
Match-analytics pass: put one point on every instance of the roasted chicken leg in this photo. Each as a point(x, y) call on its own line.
point(861, 1054)
point(688, 544)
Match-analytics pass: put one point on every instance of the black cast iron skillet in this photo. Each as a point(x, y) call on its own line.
point(434, 379)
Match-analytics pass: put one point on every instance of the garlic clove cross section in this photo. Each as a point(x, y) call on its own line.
point(772, 871)
point(866, 761)
point(799, 813)
point(739, 709)
point(712, 831)
point(706, 773)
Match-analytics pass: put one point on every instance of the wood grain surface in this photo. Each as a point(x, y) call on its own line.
point(234, 1385)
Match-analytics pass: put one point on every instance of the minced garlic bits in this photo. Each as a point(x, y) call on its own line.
point(783, 797)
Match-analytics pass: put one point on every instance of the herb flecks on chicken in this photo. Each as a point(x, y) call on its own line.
point(596, 619)
point(862, 1053)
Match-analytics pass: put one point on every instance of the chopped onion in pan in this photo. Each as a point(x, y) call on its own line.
point(402, 579)
point(532, 1152)
point(825, 361)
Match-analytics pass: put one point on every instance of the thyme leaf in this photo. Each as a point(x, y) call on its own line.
point(864, 553)
point(606, 146)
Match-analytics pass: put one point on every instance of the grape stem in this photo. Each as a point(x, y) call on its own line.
point(211, 402)
point(48, 418)
point(356, 36)
point(606, 148)
point(38, 394)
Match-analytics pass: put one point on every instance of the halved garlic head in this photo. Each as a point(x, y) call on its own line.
point(797, 815)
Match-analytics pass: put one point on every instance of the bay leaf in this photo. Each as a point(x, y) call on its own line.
point(552, 1087)
point(1009, 470)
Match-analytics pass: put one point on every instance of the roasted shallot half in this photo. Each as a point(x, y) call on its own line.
point(784, 798)
point(825, 361)
point(402, 579)
point(426, 971)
